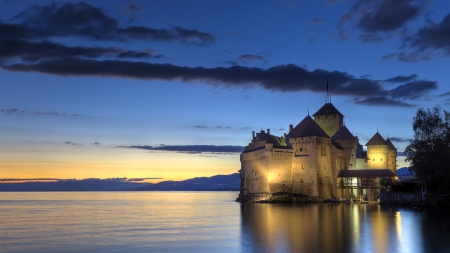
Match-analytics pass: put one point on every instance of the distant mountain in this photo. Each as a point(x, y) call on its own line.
point(71, 185)
point(215, 183)
point(403, 172)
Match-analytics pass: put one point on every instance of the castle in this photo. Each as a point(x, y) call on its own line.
point(318, 159)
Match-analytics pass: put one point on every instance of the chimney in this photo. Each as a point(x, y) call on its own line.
point(291, 127)
point(268, 130)
point(253, 134)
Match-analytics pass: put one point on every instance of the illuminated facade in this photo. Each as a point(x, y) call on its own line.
point(318, 158)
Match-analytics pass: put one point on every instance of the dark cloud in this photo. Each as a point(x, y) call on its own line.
point(138, 54)
point(383, 101)
point(433, 36)
point(388, 56)
point(96, 144)
point(34, 51)
point(217, 127)
point(444, 94)
point(383, 15)
point(282, 78)
point(132, 7)
point(398, 139)
point(10, 111)
point(72, 143)
point(317, 21)
point(414, 56)
point(192, 149)
point(330, 2)
point(374, 37)
point(409, 57)
point(250, 57)
point(401, 79)
point(414, 89)
point(342, 35)
point(19, 112)
point(83, 20)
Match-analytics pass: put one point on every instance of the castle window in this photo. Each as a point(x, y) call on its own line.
point(301, 149)
point(326, 116)
point(335, 115)
point(381, 159)
point(374, 159)
point(303, 166)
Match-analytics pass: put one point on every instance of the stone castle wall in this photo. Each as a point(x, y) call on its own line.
point(329, 123)
point(378, 156)
point(392, 161)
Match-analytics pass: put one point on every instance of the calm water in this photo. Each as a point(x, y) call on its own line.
point(209, 222)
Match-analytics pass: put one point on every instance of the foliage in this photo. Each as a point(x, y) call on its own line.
point(429, 151)
point(386, 181)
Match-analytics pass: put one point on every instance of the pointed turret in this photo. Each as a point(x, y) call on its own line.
point(343, 134)
point(306, 128)
point(329, 118)
point(376, 139)
point(377, 152)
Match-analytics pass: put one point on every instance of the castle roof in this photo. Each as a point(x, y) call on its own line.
point(307, 127)
point(391, 146)
point(343, 134)
point(376, 140)
point(337, 145)
point(326, 109)
point(278, 142)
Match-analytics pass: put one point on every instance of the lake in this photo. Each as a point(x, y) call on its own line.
point(209, 222)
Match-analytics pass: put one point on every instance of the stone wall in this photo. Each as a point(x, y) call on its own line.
point(378, 156)
point(329, 123)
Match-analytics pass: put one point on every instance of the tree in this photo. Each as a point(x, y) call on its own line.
point(429, 150)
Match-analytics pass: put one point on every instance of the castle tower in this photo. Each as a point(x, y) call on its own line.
point(311, 164)
point(329, 118)
point(377, 152)
point(349, 143)
point(392, 157)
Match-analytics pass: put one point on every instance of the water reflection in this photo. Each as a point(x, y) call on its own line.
point(339, 228)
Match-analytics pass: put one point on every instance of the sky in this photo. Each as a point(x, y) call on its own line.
point(170, 90)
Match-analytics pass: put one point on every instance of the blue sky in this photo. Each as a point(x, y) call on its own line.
point(90, 89)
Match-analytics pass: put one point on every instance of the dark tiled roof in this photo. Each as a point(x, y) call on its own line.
point(391, 146)
point(327, 109)
point(278, 142)
point(343, 134)
point(306, 128)
point(376, 140)
point(337, 145)
point(366, 173)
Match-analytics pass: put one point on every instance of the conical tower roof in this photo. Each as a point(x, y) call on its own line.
point(306, 128)
point(343, 134)
point(327, 109)
point(391, 146)
point(376, 139)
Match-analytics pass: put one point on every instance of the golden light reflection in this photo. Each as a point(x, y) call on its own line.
point(398, 225)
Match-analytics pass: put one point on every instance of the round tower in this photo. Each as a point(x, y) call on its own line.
point(377, 152)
